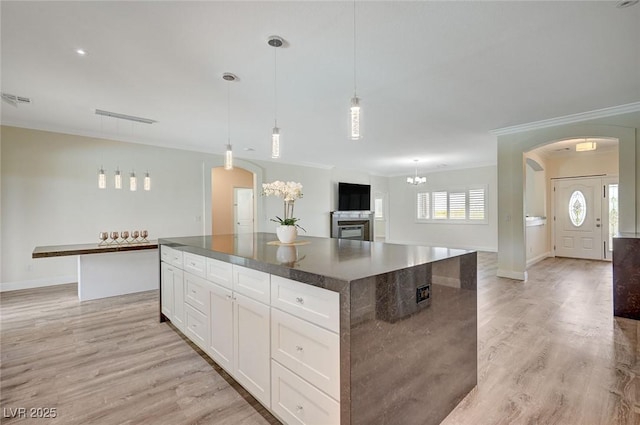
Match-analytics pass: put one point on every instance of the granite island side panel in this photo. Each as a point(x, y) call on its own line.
point(400, 359)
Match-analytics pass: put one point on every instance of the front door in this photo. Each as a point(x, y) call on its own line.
point(578, 221)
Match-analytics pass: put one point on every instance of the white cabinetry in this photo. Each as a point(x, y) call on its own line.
point(251, 347)
point(277, 337)
point(173, 295)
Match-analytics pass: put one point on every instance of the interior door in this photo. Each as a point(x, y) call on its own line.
point(578, 221)
point(243, 210)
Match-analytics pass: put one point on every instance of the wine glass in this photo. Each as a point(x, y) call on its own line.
point(144, 235)
point(135, 234)
point(114, 236)
point(125, 235)
point(103, 237)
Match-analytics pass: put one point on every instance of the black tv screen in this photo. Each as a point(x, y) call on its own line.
point(354, 197)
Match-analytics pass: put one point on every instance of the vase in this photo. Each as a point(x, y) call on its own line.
point(287, 234)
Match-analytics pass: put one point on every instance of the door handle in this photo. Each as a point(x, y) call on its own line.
point(598, 225)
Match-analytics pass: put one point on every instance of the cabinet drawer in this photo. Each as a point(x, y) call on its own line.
point(298, 402)
point(308, 350)
point(196, 292)
point(220, 272)
point(251, 283)
point(194, 264)
point(171, 256)
point(197, 327)
point(317, 305)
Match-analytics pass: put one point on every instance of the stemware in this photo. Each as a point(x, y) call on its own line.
point(144, 235)
point(114, 236)
point(135, 235)
point(103, 238)
point(125, 236)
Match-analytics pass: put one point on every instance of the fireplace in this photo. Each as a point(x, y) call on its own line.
point(357, 225)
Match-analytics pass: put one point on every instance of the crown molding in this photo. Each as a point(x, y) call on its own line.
point(568, 119)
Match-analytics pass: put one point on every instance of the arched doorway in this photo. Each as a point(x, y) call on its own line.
point(232, 201)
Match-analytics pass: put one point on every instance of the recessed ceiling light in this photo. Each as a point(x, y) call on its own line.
point(81, 52)
point(626, 3)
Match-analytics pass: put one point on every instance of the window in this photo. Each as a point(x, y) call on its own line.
point(453, 206)
point(424, 211)
point(379, 212)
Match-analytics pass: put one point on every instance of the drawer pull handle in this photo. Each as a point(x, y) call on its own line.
point(193, 264)
point(299, 408)
point(300, 300)
point(299, 348)
point(229, 297)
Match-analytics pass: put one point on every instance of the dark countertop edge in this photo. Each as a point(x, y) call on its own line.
point(627, 235)
point(282, 270)
point(79, 249)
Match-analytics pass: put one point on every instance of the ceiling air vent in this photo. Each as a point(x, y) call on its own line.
point(14, 100)
point(124, 117)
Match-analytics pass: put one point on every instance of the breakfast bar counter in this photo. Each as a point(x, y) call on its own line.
point(404, 328)
point(108, 270)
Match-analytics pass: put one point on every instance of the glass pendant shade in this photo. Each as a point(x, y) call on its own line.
point(355, 118)
point(228, 158)
point(102, 179)
point(147, 181)
point(118, 180)
point(275, 143)
point(416, 180)
point(133, 182)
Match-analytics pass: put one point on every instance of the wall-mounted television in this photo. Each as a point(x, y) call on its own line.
point(354, 197)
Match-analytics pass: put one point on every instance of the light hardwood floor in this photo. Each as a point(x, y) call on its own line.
point(550, 352)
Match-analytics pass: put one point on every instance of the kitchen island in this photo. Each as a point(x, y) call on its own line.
point(330, 330)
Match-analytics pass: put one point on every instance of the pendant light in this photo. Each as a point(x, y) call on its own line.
point(228, 157)
point(133, 182)
point(355, 101)
point(415, 180)
point(117, 179)
point(102, 179)
point(275, 42)
point(147, 181)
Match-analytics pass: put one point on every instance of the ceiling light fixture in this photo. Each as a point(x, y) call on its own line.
point(124, 117)
point(147, 181)
point(228, 157)
point(415, 180)
point(355, 101)
point(118, 179)
point(81, 52)
point(585, 146)
point(275, 42)
point(133, 182)
point(102, 179)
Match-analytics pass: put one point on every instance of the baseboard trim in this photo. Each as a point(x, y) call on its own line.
point(537, 259)
point(37, 283)
point(510, 274)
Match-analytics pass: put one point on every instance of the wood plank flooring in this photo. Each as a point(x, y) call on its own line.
point(550, 352)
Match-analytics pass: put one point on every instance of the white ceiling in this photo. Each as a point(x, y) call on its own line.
point(433, 77)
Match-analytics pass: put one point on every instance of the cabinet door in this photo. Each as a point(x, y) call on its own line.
point(251, 354)
point(177, 317)
point(166, 280)
point(221, 323)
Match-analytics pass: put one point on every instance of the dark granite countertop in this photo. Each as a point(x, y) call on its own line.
point(339, 259)
point(89, 248)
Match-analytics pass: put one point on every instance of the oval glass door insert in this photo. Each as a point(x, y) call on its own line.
point(577, 208)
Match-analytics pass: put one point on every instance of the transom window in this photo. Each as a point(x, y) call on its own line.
point(452, 206)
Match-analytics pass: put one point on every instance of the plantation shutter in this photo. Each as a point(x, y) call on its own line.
point(423, 206)
point(440, 205)
point(476, 204)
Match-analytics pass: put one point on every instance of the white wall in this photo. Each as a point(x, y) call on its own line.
point(403, 227)
point(50, 196)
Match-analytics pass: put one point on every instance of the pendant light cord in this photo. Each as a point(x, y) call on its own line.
point(275, 89)
point(228, 112)
point(354, 49)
